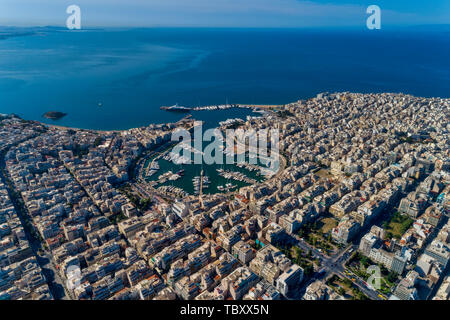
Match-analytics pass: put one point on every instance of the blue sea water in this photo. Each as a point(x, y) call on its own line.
point(133, 72)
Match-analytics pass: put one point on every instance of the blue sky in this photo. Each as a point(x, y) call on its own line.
point(224, 13)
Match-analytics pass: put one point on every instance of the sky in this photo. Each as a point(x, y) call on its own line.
point(223, 13)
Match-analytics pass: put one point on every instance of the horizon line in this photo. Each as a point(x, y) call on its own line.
point(62, 26)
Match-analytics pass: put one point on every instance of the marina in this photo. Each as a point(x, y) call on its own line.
point(200, 183)
point(183, 178)
point(175, 174)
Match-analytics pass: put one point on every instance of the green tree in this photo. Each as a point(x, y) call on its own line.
point(308, 269)
point(392, 277)
point(298, 252)
point(365, 261)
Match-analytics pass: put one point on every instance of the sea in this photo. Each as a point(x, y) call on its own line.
point(114, 79)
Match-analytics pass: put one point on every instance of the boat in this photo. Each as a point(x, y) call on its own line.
point(154, 166)
point(176, 108)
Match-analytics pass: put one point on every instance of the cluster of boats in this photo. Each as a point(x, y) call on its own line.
point(178, 108)
point(152, 169)
point(200, 180)
point(173, 191)
point(215, 107)
point(249, 167)
point(228, 187)
point(177, 159)
point(230, 122)
point(170, 176)
point(235, 175)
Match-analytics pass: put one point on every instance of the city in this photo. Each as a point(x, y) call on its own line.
point(363, 185)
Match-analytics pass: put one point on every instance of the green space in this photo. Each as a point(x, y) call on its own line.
point(325, 225)
point(397, 225)
point(318, 234)
point(141, 204)
point(359, 264)
point(346, 288)
point(324, 173)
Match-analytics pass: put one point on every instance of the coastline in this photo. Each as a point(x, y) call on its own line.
point(254, 107)
point(81, 129)
point(254, 80)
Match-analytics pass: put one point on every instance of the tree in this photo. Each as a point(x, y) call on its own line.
point(365, 261)
point(308, 269)
point(145, 203)
point(392, 276)
point(298, 252)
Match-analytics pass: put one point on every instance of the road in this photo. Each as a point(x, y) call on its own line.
point(335, 264)
point(55, 284)
point(51, 273)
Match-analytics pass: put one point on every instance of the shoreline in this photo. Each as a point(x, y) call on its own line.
point(249, 106)
point(54, 126)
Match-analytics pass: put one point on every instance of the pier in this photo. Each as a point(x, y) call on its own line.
point(255, 107)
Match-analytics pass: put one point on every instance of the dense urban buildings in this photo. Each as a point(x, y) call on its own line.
point(363, 181)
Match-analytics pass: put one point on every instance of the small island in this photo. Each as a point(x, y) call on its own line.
point(54, 115)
